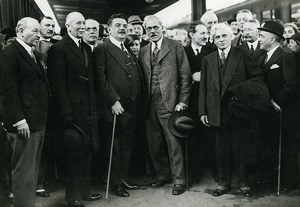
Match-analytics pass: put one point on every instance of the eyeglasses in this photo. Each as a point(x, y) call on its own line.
point(149, 29)
point(91, 29)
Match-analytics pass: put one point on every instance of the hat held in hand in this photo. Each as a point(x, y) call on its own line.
point(181, 124)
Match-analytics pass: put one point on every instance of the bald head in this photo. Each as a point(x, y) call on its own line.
point(28, 30)
point(209, 18)
point(75, 24)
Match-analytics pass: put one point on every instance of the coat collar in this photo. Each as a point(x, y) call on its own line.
point(73, 47)
point(115, 52)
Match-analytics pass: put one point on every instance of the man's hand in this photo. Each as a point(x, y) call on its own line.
point(117, 108)
point(181, 106)
point(197, 76)
point(204, 120)
point(23, 130)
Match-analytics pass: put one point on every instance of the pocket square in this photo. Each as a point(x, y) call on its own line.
point(274, 66)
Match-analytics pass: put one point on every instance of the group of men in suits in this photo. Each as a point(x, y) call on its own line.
point(165, 78)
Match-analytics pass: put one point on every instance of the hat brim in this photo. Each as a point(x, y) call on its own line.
point(172, 121)
point(271, 31)
point(136, 22)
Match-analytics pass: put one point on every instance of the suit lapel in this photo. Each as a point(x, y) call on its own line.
point(233, 60)
point(147, 58)
point(164, 50)
point(215, 69)
point(114, 51)
point(29, 59)
point(73, 47)
point(275, 56)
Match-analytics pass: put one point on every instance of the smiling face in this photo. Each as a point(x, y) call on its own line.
point(200, 36)
point(154, 29)
point(118, 29)
point(76, 25)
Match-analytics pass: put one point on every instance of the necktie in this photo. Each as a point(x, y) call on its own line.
point(222, 57)
point(198, 51)
point(266, 59)
point(33, 56)
point(155, 51)
point(252, 49)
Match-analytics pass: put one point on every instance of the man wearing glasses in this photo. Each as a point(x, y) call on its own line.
point(167, 79)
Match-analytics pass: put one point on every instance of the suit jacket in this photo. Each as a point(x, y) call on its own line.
point(259, 55)
point(43, 48)
point(174, 73)
point(112, 75)
point(71, 75)
point(24, 89)
point(239, 67)
point(195, 62)
point(280, 75)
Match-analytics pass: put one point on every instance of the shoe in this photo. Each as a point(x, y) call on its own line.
point(42, 193)
point(247, 192)
point(159, 183)
point(288, 188)
point(75, 203)
point(128, 186)
point(178, 189)
point(219, 192)
point(118, 190)
point(11, 198)
point(92, 197)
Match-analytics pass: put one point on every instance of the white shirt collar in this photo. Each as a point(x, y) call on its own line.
point(255, 43)
point(43, 39)
point(226, 51)
point(26, 47)
point(116, 42)
point(195, 47)
point(75, 39)
point(92, 47)
point(159, 42)
point(270, 53)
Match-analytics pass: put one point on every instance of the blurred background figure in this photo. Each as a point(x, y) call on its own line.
point(242, 16)
point(171, 34)
point(10, 36)
point(137, 24)
point(132, 41)
point(234, 26)
point(182, 36)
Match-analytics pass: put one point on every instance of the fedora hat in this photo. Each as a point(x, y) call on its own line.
point(273, 27)
point(134, 19)
point(73, 137)
point(181, 124)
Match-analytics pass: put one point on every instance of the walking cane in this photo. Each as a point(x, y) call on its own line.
point(186, 164)
point(279, 147)
point(110, 156)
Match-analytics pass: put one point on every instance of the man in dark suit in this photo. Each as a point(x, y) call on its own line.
point(120, 84)
point(71, 76)
point(24, 94)
point(195, 52)
point(91, 33)
point(221, 70)
point(242, 16)
point(47, 31)
point(279, 70)
point(168, 85)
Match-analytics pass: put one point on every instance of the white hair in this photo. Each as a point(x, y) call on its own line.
point(151, 17)
point(25, 22)
point(223, 26)
point(208, 15)
point(71, 17)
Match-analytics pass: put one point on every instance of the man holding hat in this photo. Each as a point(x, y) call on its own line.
point(279, 70)
point(137, 24)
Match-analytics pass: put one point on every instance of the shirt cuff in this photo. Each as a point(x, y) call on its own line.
point(19, 123)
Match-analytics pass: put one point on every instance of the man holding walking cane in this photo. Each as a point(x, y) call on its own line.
point(120, 82)
point(279, 70)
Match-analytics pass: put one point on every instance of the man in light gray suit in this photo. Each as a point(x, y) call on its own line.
point(168, 84)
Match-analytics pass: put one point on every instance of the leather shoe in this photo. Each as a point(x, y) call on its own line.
point(219, 192)
point(75, 203)
point(247, 192)
point(178, 189)
point(160, 183)
point(44, 194)
point(118, 190)
point(128, 186)
point(92, 197)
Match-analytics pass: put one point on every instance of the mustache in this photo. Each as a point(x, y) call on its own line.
point(121, 31)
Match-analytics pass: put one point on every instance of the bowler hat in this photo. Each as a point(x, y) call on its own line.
point(273, 27)
point(134, 19)
point(181, 124)
point(10, 32)
point(296, 37)
point(73, 137)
